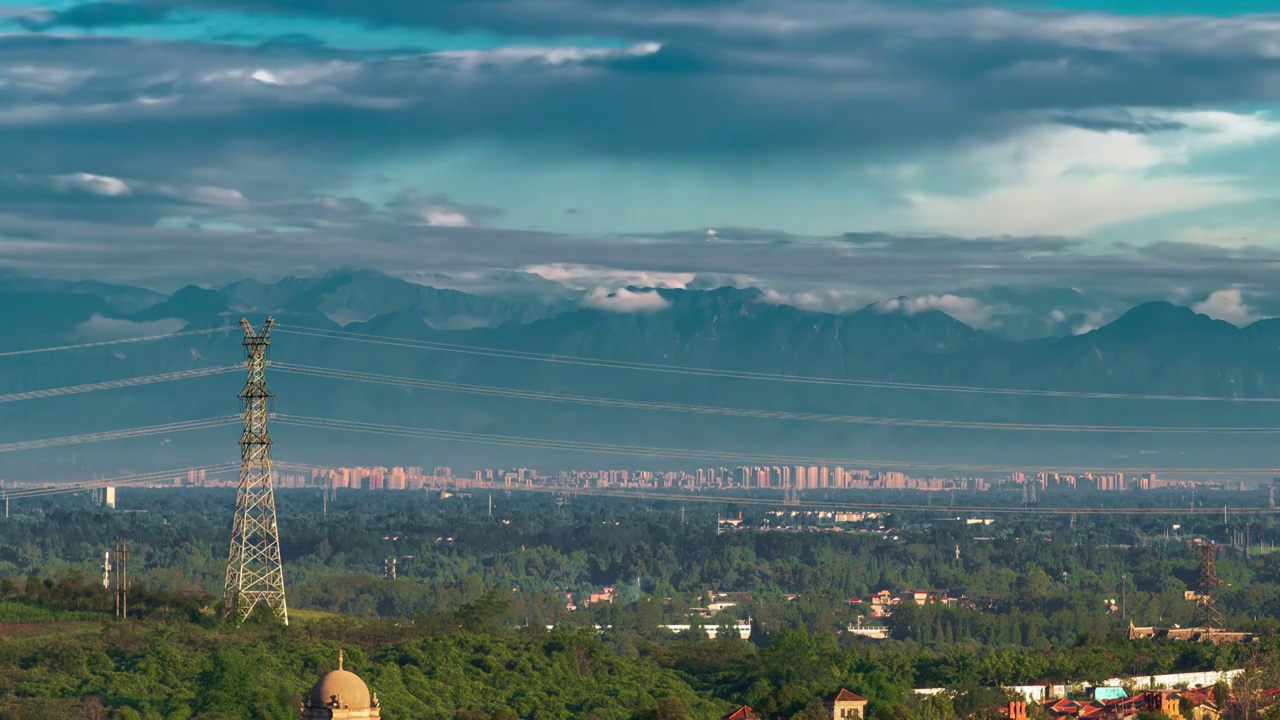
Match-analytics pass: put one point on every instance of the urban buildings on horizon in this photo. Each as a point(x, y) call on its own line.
point(781, 478)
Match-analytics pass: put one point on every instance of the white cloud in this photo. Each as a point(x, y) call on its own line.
point(104, 328)
point(1092, 321)
point(833, 301)
point(470, 59)
point(300, 74)
point(103, 185)
point(42, 78)
point(1227, 304)
point(586, 277)
point(1059, 179)
point(440, 216)
point(967, 310)
point(216, 195)
point(624, 300)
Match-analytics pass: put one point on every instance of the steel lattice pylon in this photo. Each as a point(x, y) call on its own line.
point(254, 573)
point(1209, 609)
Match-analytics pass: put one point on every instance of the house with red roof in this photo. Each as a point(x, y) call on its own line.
point(846, 705)
point(742, 713)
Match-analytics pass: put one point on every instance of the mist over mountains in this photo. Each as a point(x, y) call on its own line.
point(1019, 338)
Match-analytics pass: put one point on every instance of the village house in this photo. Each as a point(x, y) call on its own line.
point(845, 705)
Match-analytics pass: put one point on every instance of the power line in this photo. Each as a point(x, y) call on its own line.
point(135, 479)
point(766, 414)
point(763, 459)
point(121, 383)
point(737, 374)
point(118, 341)
point(144, 431)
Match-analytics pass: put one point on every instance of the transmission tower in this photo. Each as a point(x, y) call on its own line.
point(254, 573)
point(1208, 607)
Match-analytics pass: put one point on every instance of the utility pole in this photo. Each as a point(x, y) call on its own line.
point(254, 572)
point(490, 504)
point(124, 577)
point(116, 571)
point(121, 569)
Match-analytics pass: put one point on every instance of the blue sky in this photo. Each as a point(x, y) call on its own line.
point(1111, 146)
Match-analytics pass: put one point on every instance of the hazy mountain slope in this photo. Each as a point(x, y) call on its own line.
point(1155, 348)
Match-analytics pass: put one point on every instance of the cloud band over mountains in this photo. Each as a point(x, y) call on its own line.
point(844, 151)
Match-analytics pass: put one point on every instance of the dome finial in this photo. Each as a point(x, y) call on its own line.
point(339, 658)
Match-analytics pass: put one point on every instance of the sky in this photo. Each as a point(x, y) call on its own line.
point(831, 152)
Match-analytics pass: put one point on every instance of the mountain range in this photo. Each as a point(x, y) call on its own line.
point(1155, 348)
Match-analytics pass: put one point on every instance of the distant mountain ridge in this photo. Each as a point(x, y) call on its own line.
point(1154, 348)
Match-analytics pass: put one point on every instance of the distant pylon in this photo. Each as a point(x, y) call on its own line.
point(1208, 608)
point(254, 572)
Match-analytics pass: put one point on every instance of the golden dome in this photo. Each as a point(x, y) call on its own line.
point(347, 687)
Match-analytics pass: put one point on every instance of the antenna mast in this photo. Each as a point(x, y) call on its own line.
point(254, 572)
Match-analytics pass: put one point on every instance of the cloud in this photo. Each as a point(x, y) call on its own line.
point(626, 301)
point(103, 328)
point(438, 210)
point(98, 15)
point(1042, 100)
point(1227, 304)
point(1092, 321)
point(693, 81)
point(1231, 237)
point(822, 300)
point(1043, 177)
point(473, 59)
point(967, 310)
point(584, 277)
point(103, 185)
point(213, 195)
point(818, 272)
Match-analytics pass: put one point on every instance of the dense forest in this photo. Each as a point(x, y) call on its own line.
point(462, 628)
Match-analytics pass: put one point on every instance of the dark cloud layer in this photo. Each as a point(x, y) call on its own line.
point(101, 15)
point(230, 144)
point(729, 79)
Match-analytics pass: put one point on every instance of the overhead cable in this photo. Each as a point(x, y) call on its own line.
point(739, 457)
point(147, 430)
point(575, 360)
point(121, 383)
point(117, 341)
point(765, 414)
